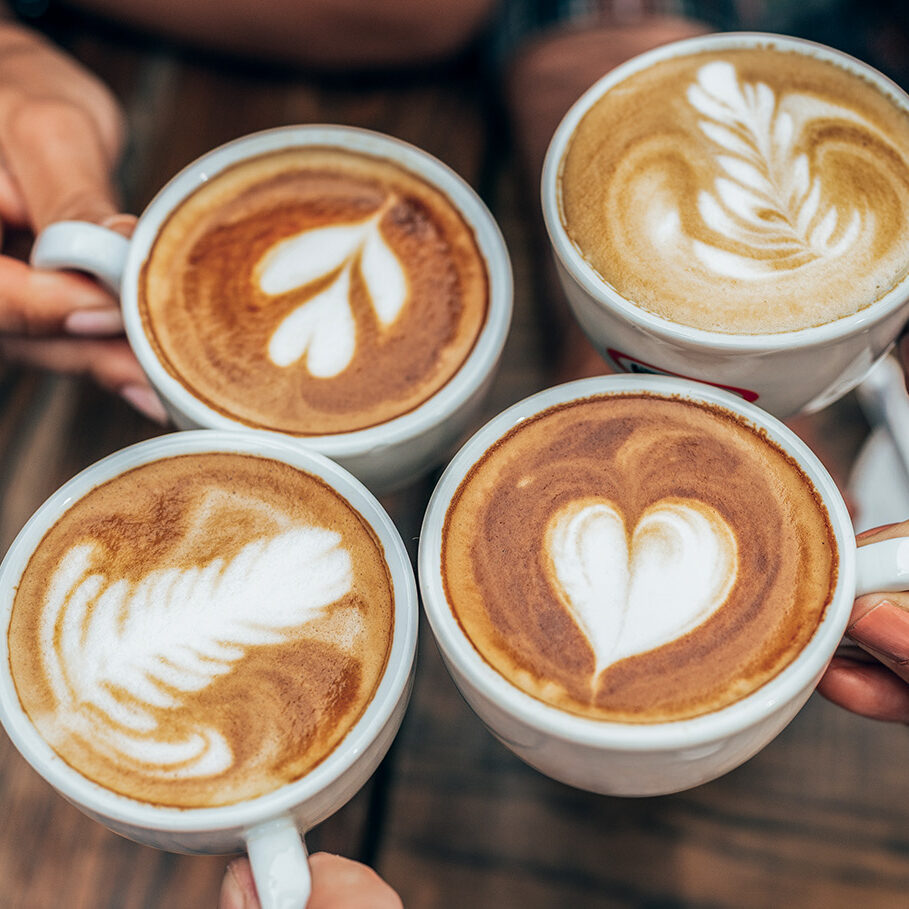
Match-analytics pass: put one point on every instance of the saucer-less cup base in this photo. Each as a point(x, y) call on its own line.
point(268, 827)
point(657, 758)
point(384, 457)
point(784, 372)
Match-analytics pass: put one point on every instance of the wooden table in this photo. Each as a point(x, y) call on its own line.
point(451, 819)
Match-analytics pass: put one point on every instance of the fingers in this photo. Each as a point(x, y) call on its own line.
point(238, 891)
point(884, 532)
point(59, 162)
point(880, 625)
point(110, 363)
point(12, 205)
point(869, 690)
point(336, 882)
point(36, 302)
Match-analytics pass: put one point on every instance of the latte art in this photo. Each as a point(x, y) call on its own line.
point(635, 558)
point(751, 190)
point(115, 653)
point(628, 599)
point(768, 199)
point(226, 655)
point(314, 291)
point(324, 327)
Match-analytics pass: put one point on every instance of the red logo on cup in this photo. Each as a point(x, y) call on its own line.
point(632, 364)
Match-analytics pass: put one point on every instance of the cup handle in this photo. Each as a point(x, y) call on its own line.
point(84, 246)
point(882, 566)
point(279, 863)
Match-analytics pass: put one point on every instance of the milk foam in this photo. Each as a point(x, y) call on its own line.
point(768, 201)
point(678, 570)
point(117, 653)
point(323, 328)
point(758, 191)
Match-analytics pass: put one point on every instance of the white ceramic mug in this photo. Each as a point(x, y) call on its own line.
point(269, 827)
point(383, 456)
point(785, 372)
point(652, 758)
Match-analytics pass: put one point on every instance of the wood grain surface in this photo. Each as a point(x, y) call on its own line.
point(452, 819)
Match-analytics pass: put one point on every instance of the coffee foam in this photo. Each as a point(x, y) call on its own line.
point(637, 559)
point(209, 627)
point(314, 291)
point(742, 190)
point(630, 597)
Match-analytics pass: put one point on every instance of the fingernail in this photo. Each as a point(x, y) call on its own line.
point(121, 223)
point(94, 322)
point(233, 895)
point(885, 630)
point(145, 401)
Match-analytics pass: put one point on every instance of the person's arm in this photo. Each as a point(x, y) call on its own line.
point(61, 132)
point(329, 34)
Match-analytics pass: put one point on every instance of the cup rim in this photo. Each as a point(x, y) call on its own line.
point(456, 391)
point(459, 652)
point(114, 807)
point(605, 295)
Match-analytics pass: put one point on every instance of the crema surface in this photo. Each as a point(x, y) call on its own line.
point(314, 291)
point(637, 558)
point(742, 191)
point(202, 629)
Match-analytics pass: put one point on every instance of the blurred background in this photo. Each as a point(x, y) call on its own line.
point(451, 819)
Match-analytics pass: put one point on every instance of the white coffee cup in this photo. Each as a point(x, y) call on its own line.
point(383, 456)
point(785, 372)
point(652, 758)
point(269, 827)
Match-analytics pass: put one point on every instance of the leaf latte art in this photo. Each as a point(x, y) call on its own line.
point(314, 291)
point(638, 559)
point(115, 652)
point(751, 191)
point(200, 639)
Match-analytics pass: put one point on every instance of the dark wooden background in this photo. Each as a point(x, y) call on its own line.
point(451, 819)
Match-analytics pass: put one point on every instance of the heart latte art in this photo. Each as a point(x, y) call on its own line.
point(627, 599)
point(742, 190)
point(187, 636)
point(314, 291)
point(637, 558)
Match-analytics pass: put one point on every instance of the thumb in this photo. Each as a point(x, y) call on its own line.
point(880, 624)
point(55, 153)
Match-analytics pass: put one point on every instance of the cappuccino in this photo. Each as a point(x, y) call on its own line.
point(743, 190)
point(314, 291)
point(637, 558)
point(201, 629)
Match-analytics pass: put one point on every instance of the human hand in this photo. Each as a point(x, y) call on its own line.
point(61, 132)
point(877, 687)
point(337, 883)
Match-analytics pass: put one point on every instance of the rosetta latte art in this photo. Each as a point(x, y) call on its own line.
point(323, 328)
point(744, 190)
point(768, 199)
point(117, 654)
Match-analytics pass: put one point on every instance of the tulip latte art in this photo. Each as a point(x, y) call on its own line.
point(742, 190)
point(314, 291)
point(202, 629)
point(637, 558)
